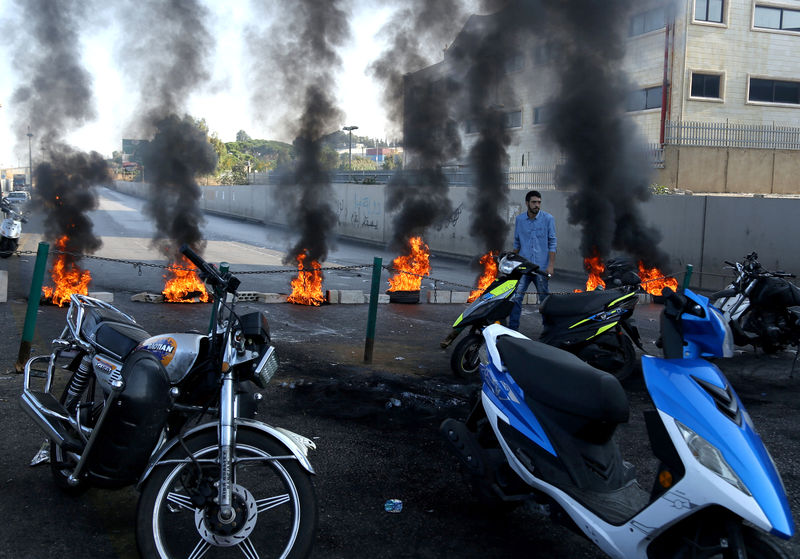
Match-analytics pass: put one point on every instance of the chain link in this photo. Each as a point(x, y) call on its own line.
point(391, 269)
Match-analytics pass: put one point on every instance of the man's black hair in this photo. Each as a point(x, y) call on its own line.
point(531, 194)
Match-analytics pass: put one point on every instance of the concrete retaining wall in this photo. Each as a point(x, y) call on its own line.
point(700, 230)
point(731, 170)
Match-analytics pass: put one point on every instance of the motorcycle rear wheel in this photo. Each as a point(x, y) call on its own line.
point(275, 502)
point(623, 348)
point(465, 361)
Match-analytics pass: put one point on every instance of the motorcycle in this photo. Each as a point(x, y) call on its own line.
point(131, 413)
point(762, 307)
point(597, 326)
point(10, 228)
point(541, 433)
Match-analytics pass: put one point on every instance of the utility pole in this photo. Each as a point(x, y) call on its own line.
point(30, 159)
point(350, 150)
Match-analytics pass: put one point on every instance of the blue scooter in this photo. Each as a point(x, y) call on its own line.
point(541, 434)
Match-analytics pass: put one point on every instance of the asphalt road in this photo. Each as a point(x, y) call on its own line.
point(368, 449)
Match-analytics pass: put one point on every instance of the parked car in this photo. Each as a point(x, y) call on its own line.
point(18, 197)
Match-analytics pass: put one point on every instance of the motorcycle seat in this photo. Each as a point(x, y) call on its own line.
point(112, 332)
point(560, 380)
point(578, 303)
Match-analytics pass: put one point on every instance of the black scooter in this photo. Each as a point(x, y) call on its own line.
point(597, 326)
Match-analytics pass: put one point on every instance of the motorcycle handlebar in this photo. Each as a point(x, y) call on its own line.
point(212, 276)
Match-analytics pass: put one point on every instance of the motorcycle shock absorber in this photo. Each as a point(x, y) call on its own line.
point(78, 382)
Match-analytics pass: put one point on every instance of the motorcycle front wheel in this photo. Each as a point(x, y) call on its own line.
point(274, 500)
point(465, 360)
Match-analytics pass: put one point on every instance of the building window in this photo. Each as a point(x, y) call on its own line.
point(767, 17)
point(514, 119)
point(541, 114)
point(774, 91)
point(642, 99)
point(706, 85)
point(708, 10)
point(543, 54)
point(514, 63)
point(647, 21)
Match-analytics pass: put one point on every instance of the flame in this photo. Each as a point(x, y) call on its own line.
point(411, 267)
point(654, 280)
point(307, 286)
point(67, 277)
point(489, 274)
point(595, 267)
point(184, 280)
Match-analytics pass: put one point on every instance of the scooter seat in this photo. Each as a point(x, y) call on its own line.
point(560, 380)
point(578, 303)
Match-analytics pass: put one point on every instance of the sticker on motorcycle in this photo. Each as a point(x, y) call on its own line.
point(163, 348)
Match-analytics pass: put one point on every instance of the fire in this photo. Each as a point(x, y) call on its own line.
point(654, 281)
point(307, 286)
point(595, 267)
point(183, 282)
point(67, 277)
point(489, 274)
point(411, 267)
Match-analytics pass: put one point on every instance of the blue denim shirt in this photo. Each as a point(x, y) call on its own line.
point(535, 238)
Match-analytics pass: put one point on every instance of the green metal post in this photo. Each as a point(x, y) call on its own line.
point(33, 306)
point(687, 277)
point(373, 308)
point(223, 269)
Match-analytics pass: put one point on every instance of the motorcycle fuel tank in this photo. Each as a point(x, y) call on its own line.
point(177, 352)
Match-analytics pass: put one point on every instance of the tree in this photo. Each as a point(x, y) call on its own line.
point(241, 136)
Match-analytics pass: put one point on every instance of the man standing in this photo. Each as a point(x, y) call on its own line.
point(534, 240)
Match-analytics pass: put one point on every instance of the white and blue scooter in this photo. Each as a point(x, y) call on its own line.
point(541, 434)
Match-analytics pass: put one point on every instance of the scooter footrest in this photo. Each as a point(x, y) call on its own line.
point(615, 507)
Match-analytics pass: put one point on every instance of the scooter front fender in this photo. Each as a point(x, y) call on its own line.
point(297, 445)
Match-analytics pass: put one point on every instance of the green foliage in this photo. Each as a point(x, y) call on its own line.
point(659, 189)
point(359, 163)
point(242, 136)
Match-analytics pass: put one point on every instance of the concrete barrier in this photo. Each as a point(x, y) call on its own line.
point(703, 231)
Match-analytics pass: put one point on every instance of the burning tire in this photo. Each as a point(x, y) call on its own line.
point(465, 360)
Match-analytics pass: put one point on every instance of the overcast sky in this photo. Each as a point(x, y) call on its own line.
point(224, 101)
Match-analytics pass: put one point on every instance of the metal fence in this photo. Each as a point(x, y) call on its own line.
point(732, 135)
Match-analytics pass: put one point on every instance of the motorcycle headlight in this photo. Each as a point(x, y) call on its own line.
point(507, 266)
point(266, 368)
point(710, 457)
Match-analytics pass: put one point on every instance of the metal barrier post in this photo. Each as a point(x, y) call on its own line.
point(687, 277)
point(33, 307)
point(223, 269)
point(373, 308)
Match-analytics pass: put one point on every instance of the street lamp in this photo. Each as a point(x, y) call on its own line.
point(30, 159)
point(350, 150)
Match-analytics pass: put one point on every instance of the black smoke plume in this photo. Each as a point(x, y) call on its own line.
point(177, 154)
point(167, 50)
point(605, 157)
point(53, 98)
point(482, 50)
point(296, 59)
point(420, 105)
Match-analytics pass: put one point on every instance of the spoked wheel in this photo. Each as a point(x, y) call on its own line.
point(465, 360)
point(274, 502)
